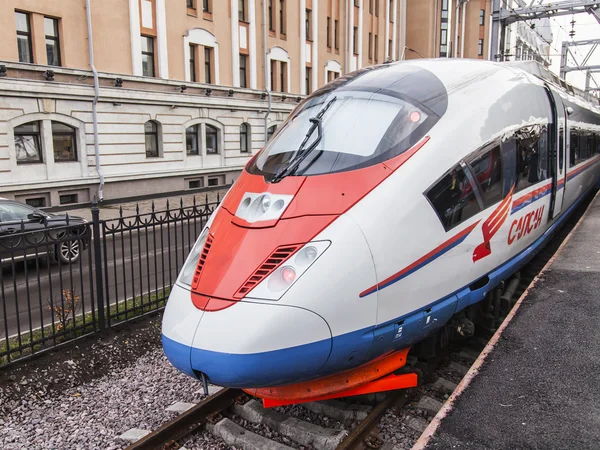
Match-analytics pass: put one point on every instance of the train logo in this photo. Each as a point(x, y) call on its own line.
point(491, 226)
point(525, 225)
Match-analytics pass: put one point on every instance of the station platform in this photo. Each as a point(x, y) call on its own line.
point(537, 384)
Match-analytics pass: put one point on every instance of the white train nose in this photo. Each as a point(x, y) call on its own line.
point(258, 344)
point(180, 320)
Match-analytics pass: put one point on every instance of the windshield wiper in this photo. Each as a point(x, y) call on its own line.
point(294, 163)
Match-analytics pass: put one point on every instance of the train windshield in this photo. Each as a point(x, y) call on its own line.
point(340, 131)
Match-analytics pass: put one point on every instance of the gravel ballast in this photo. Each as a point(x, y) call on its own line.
point(79, 403)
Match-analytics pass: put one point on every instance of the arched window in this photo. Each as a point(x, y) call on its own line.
point(151, 131)
point(245, 140)
point(270, 131)
point(192, 140)
point(27, 143)
point(212, 142)
point(203, 139)
point(64, 142)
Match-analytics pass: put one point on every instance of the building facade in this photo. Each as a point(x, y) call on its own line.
point(528, 40)
point(182, 98)
point(448, 29)
point(181, 87)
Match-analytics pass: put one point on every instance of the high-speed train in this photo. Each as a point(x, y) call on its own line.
point(386, 207)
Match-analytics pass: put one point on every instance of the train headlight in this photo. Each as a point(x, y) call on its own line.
point(260, 207)
point(306, 256)
point(265, 203)
point(189, 268)
point(281, 279)
point(288, 274)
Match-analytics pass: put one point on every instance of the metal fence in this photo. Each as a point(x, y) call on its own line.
point(63, 279)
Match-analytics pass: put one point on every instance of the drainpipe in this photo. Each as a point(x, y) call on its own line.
point(455, 53)
point(462, 41)
point(436, 25)
point(266, 68)
point(96, 94)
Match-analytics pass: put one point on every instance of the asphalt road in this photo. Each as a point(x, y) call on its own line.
point(135, 263)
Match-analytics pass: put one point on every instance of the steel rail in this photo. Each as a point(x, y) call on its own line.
point(168, 434)
point(360, 433)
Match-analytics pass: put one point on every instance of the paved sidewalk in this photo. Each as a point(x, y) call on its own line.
point(145, 206)
point(539, 388)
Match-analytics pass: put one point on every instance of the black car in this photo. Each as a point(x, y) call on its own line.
point(27, 232)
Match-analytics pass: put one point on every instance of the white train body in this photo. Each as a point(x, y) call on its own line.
point(383, 253)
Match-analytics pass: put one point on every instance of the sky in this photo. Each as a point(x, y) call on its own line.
point(586, 27)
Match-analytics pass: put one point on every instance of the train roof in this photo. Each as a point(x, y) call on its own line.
point(540, 71)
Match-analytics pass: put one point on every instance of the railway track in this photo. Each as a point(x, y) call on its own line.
point(393, 420)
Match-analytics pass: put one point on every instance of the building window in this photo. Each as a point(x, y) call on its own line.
point(192, 140)
point(308, 24)
point(147, 56)
point(376, 8)
point(444, 29)
point(52, 41)
point(245, 142)
point(35, 202)
point(208, 65)
point(308, 80)
point(329, 33)
point(211, 140)
point(190, 4)
point(193, 63)
point(480, 47)
point(282, 16)
point(336, 41)
point(389, 48)
point(206, 6)
point(356, 2)
point(273, 69)
point(243, 71)
point(370, 6)
point(283, 76)
point(242, 10)
point(370, 52)
point(355, 41)
point(331, 75)
point(376, 48)
point(24, 37)
point(151, 130)
point(64, 142)
point(271, 131)
point(391, 10)
point(482, 17)
point(28, 143)
point(271, 24)
point(66, 199)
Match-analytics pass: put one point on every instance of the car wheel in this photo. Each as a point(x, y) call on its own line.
point(68, 252)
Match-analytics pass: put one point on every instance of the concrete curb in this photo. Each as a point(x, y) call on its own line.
point(474, 370)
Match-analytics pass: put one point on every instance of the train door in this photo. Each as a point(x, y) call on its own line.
point(558, 136)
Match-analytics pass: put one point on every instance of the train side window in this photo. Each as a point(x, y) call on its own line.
point(574, 148)
point(487, 169)
point(561, 149)
point(509, 162)
point(453, 198)
point(543, 144)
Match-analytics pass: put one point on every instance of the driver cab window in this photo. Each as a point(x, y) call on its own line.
point(453, 198)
